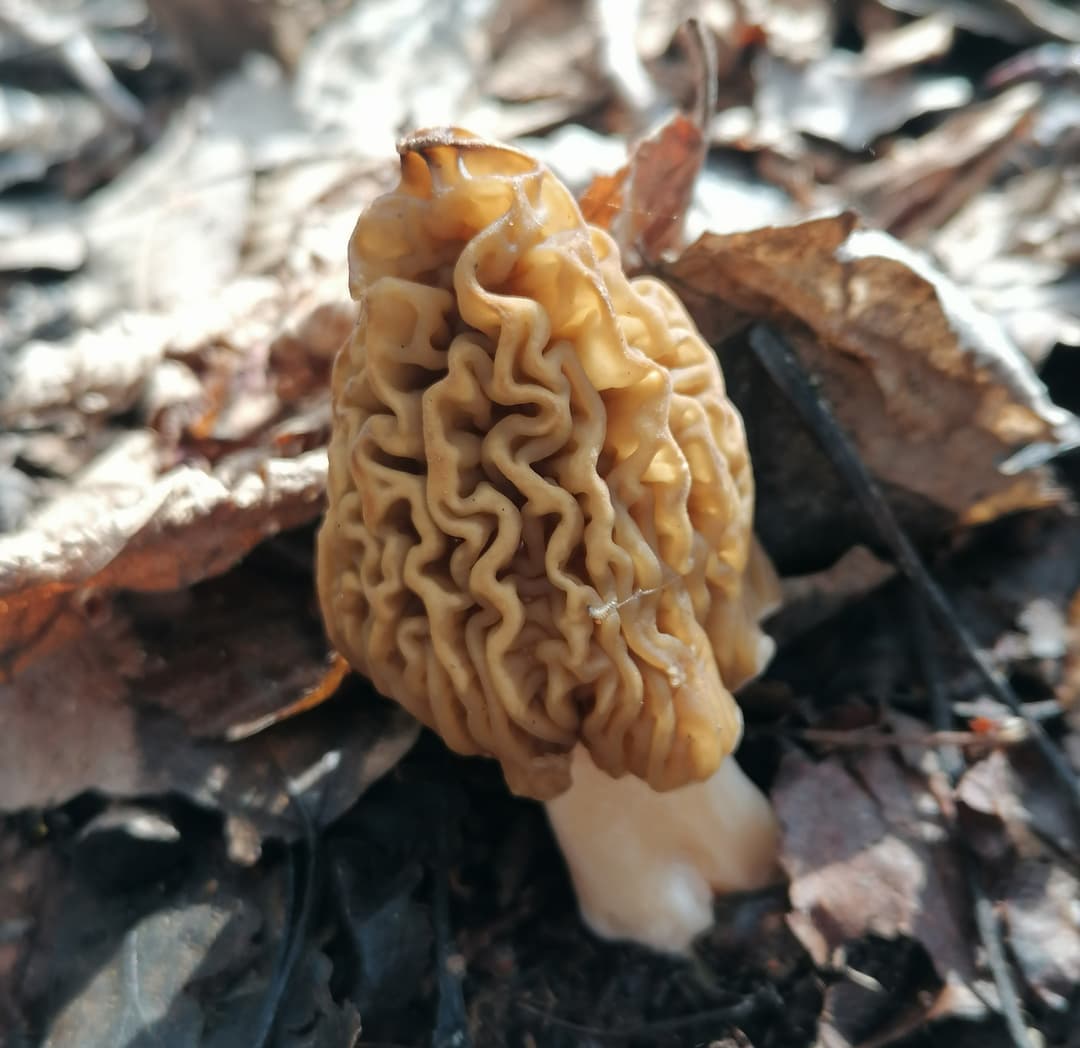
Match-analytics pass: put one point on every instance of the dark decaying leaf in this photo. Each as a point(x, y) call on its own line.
point(868, 856)
point(309, 1016)
point(390, 941)
point(140, 995)
point(122, 711)
point(932, 392)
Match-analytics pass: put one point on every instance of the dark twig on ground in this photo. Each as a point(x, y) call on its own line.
point(297, 918)
point(762, 1001)
point(785, 370)
point(986, 921)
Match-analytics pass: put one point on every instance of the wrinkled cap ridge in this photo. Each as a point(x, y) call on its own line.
point(540, 498)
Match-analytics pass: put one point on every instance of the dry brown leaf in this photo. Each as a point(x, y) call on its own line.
point(122, 529)
point(169, 230)
point(1012, 249)
point(644, 204)
point(933, 394)
point(239, 648)
point(810, 600)
point(917, 184)
point(867, 855)
point(1023, 803)
point(114, 710)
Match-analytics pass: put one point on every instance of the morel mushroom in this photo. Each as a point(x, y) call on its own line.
point(539, 532)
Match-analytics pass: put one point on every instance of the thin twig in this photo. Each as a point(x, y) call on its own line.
point(941, 714)
point(788, 374)
point(986, 922)
point(765, 999)
point(859, 738)
point(295, 933)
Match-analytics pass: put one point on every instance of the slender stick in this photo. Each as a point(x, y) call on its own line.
point(788, 374)
point(763, 1000)
point(986, 920)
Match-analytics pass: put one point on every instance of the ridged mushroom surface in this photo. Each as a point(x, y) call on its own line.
point(540, 499)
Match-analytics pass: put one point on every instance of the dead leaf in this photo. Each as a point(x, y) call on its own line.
point(142, 991)
point(38, 131)
point(169, 230)
point(359, 74)
point(870, 857)
point(810, 600)
point(932, 392)
point(1010, 248)
point(119, 528)
point(92, 373)
point(242, 647)
point(1014, 20)
point(1042, 912)
point(924, 40)
point(215, 37)
point(917, 184)
point(797, 30)
point(544, 51)
point(108, 712)
point(1024, 801)
point(644, 204)
point(834, 99)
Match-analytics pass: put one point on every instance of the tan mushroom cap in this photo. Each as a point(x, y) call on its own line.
point(540, 498)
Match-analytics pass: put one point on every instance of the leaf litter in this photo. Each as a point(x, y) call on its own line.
point(889, 186)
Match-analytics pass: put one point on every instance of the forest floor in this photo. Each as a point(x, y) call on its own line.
point(884, 192)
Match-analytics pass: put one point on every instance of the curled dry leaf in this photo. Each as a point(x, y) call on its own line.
point(932, 392)
point(644, 204)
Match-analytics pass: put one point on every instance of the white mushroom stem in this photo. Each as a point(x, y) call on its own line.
point(646, 865)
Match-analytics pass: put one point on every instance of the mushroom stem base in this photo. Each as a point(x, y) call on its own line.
point(646, 865)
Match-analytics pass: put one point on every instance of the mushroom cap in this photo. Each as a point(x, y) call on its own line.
point(539, 529)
